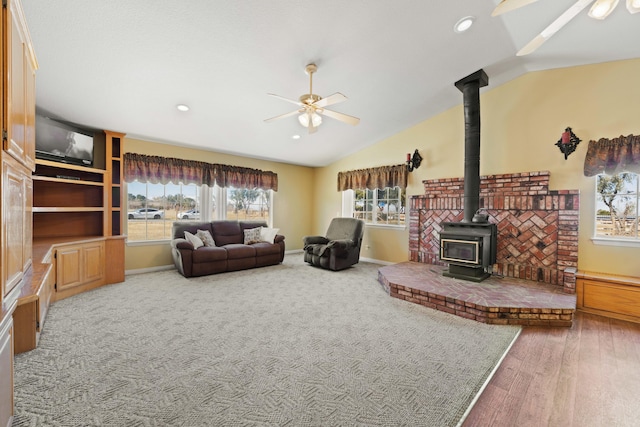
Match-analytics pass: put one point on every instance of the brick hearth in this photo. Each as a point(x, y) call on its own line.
point(496, 300)
point(533, 281)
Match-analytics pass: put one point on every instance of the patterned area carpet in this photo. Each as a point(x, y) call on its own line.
point(288, 345)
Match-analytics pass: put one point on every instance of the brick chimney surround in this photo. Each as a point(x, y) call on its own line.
point(537, 228)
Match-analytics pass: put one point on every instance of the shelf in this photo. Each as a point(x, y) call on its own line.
point(68, 166)
point(67, 194)
point(62, 172)
point(67, 209)
point(66, 180)
point(60, 222)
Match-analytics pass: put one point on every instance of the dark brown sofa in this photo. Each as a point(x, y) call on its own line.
point(229, 253)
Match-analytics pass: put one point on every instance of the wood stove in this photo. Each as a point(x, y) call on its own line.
point(469, 249)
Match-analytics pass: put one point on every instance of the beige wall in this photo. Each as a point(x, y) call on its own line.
point(521, 121)
point(293, 202)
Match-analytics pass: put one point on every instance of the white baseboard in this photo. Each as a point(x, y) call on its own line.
point(149, 269)
point(294, 251)
point(377, 261)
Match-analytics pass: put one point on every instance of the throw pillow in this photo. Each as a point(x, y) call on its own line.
point(251, 235)
point(206, 237)
point(194, 240)
point(268, 234)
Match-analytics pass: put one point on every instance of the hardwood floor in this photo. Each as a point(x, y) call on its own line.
point(586, 375)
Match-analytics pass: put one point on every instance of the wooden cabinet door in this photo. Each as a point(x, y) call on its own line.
point(30, 116)
point(69, 265)
point(20, 97)
point(16, 232)
point(79, 264)
point(93, 259)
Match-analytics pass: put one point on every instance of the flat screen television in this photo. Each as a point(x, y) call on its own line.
point(60, 142)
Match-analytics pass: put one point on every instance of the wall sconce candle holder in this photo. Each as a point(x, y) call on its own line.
point(413, 162)
point(568, 142)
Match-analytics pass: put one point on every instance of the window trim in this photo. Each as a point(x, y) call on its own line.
point(606, 241)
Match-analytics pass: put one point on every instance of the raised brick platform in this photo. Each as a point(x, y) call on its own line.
point(496, 300)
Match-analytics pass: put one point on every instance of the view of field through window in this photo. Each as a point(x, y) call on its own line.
point(617, 206)
point(153, 208)
point(380, 206)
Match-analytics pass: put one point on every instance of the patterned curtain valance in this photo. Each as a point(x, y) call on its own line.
point(372, 178)
point(612, 156)
point(163, 170)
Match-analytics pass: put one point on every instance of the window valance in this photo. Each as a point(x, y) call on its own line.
point(612, 156)
point(372, 178)
point(163, 170)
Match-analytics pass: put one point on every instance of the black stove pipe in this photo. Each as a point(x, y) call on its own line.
point(470, 88)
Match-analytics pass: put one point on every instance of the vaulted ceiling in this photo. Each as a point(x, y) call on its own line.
point(124, 65)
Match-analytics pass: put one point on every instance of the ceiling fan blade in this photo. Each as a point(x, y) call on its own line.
point(340, 116)
point(509, 5)
point(555, 26)
point(330, 100)
point(298, 103)
point(282, 116)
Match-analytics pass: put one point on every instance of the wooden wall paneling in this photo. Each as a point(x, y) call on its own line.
point(6, 369)
point(114, 259)
point(15, 236)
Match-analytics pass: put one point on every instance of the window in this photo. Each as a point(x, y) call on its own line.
point(381, 206)
point(152, 208)
point(617, 199)
point(245, 204)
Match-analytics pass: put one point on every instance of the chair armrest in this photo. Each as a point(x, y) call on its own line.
point(314, 240)
point(341, 244)
point(279, 238)
point(181, 244)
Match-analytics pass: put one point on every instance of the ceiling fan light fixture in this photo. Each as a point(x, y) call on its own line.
point(602, 8)
point(315, 119)
point(633, 6)
point(464, 24)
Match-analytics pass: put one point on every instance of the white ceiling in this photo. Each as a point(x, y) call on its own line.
point(124, 65)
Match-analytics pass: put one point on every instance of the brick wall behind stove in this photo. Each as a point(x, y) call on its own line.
point(537, 228)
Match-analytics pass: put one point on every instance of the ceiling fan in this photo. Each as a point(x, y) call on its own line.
point(312, 106)
point(600, 10)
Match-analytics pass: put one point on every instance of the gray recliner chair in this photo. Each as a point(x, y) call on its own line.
point(339, 249)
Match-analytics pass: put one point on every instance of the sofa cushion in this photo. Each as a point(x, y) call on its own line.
point(227, 232)
point(206, 237)
point(194, 240)
point(268, 234)
point(252, 235)
point(264, 248)
point(209, 254)
point(236, 251)
point(179, 227)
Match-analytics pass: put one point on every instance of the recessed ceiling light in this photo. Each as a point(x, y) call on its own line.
point(463, 24)
point(296, 137)
point(182, 107)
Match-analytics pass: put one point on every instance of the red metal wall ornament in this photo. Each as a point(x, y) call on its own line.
point(568, 142)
